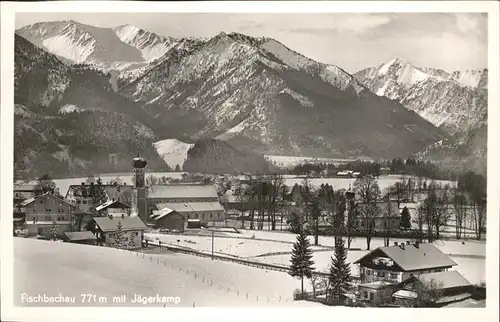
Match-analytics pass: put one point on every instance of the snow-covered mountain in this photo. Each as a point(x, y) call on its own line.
point(151, 45)
point(259, 95)
point(474, 78)
point(453, 101)
point(254, 93)
point(68, 121)
point(123, 47)
point(456, 102)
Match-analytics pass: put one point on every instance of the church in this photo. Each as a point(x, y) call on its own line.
point(192, 201)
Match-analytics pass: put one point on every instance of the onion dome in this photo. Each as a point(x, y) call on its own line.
point(139, 162)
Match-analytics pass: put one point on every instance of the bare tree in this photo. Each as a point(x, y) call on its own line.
point(428, 292)
point(420, 220)
point(369, 192)
point(460, 207)
point(367, 189)
point(368, 212)
point(441, 213)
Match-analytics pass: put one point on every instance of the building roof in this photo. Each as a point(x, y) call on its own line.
point(191, 206)
point(446, 279)
point(46, 195)
point(128, 223)
point(411, 258)
point(80, 235)
point(405, 294)
point(377, 284)
point(158, 214)
point(182, 191)
point(112, 204)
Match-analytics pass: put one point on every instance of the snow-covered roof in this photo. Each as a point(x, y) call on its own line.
point(128, 223)
point(112, 204)
point(191, 206)
point(157, 214)
point(446, 279)
point(44, 196)
point(405, 294)
point(377, 284)
point(80, 235)
point(182, 191)
point(411, 258)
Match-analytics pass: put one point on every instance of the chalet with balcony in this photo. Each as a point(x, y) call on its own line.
point(384, 270)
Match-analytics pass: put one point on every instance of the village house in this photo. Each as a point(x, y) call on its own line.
point(42, 211)
point(81, 196)
point(22, 192)
point(113, 208)
point(80, 237)
point(169, 220)
point(385, 270)
point(192, 201)
point(387, 217)
point(105, 228)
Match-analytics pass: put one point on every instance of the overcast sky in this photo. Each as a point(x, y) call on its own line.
point(351, 41)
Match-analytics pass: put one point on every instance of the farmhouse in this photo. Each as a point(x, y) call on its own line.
point(105, 229)
point(42, 211)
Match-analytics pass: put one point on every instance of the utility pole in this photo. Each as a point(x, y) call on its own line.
point(212, 245)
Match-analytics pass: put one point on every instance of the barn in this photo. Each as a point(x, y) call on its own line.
point(168, 219)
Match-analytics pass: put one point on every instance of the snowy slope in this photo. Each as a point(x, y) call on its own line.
point(173, 151)
point(471, 78)
point(152, 46)
point(108, 272)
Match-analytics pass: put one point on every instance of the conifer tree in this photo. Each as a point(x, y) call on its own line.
point(302, 263)
point(53, 233)
point(340, 272)
point(405, 219)
point(119, 236)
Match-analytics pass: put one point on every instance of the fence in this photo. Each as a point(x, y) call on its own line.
point(246, 262)
point(208, 280)
point(239, 237)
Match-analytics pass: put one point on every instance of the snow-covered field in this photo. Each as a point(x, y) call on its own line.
point(173, 151)
point(384, 182)
point(290, 161)
point(337, 183)
point(230, 246)
point(56, 268)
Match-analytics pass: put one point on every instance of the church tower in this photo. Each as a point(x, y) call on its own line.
point(139, 165)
